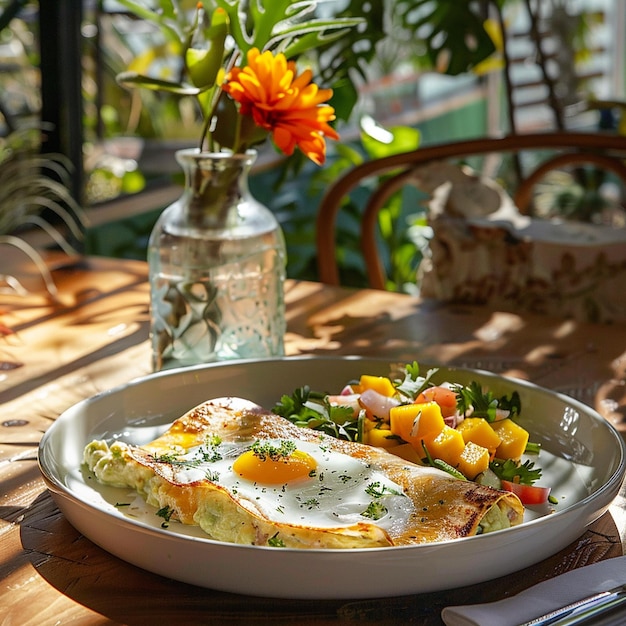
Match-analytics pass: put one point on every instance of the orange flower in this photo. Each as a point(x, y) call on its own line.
point(289, 106)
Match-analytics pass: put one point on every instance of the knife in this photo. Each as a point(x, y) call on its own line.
point(582, 611)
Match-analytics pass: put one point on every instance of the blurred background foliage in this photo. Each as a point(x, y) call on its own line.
point(383, 74)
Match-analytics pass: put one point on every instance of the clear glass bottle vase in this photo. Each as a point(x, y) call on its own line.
point(217, 267)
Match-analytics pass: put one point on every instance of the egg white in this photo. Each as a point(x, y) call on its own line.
point(342, 491)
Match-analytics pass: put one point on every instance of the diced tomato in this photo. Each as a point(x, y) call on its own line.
point(444, 397)
point(528, 494)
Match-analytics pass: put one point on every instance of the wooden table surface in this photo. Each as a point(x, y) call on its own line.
point(94, 337)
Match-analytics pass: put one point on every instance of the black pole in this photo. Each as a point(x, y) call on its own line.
point(61, 70)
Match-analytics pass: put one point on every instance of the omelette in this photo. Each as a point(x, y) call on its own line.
point(247, 476)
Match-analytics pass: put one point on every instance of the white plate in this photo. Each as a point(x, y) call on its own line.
point(583, 460)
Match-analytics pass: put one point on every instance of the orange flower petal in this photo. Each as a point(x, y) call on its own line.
point(288, 105)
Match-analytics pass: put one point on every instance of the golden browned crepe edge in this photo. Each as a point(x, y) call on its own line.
point(446, 508)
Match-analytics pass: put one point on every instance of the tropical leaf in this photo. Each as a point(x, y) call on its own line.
point(171, 21)
point(453, 32)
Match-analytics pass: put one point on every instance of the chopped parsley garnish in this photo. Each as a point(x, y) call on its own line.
point(267, 450)
point(375, 510)
point(524, 474)
point(167, 458)
point(376, 490)
point(214, 477)
point(275, 542)
point(166, 513)
point(207, 453)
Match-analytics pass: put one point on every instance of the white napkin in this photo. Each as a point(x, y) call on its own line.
point(542, 598)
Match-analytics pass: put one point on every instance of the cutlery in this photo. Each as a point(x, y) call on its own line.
point(582, 611)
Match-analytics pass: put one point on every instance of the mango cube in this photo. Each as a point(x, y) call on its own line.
point(382, 438)
point(447, 446)
point(381, 384)
point(480, 432)
point(513, 439)
point(473, 460)
point(416, 422)
point(369, 424)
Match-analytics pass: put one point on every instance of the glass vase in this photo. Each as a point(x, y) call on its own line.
point(217, 267)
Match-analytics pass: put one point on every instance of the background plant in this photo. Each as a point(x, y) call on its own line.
point(447, 36)
point(33, 196)
point(217, 35)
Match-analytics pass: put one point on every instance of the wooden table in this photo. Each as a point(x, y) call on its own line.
point(95, 337)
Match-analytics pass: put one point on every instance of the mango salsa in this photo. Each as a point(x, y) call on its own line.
point(381, 438)
point(513, 439)
point(479, 431)
point(381, 384)
point(447, 446)
point(416, 422)
point(473, 460)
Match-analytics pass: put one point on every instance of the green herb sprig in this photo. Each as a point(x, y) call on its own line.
point(525, 473)
point(473, 399)
point(413, 384)
point(311, 409)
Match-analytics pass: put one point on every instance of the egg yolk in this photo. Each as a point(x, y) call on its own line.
point(274, 471)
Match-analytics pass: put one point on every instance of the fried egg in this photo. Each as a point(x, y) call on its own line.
point(247, 476)
point(298, 483)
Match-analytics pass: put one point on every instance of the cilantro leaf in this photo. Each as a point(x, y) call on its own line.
point(294, 407)
point(525, 474)
point(483, 403)
point(311, 409)
point(413, 384)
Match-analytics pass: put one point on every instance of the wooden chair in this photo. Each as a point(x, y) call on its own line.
point(606, 151)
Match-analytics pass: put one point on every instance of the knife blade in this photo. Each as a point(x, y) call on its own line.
point(581, 611)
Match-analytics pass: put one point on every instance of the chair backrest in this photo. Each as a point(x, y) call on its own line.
point(607, 151)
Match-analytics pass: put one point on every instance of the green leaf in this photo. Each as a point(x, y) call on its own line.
point(132, 79)
point(345, 97)
point(483, 403)
point(205, 56)
point(413, 383)
point(525, 474)
point(170, 22)
point(399, 139)
point(301, 38)
point(453, 32)
point(335, 421)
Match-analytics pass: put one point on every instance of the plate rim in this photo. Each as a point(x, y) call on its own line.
point(617, 475)
point(608, 489)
